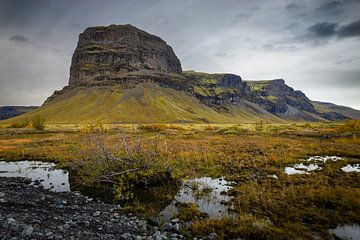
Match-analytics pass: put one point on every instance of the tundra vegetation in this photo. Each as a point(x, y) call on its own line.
point(121, 159)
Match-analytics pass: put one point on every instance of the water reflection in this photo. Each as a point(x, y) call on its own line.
point(42, 174)
point(347, 232)
point(207, 193)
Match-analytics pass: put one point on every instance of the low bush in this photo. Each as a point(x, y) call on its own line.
point(153, 127)
point(19, 124)
point(38, 123)
point(127, 168)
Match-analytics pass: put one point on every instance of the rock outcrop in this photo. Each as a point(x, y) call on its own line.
point(110, 53)
point(138, 78)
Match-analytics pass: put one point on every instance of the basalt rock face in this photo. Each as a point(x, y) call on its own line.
point(276, 97)
point(114, 52)
point(137, 77)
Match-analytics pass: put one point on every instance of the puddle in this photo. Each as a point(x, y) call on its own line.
point(323, 159)
point(43, 174)
point(207, 193)
point(347, 232)
point(315, 162)
point(302, 168)
point(351, 168)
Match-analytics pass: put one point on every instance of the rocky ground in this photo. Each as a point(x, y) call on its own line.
point(29, 212)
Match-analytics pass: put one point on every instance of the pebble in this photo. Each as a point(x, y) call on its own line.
point(28, 231)
point(126, 236)
point(212, 236)
point(97, 213)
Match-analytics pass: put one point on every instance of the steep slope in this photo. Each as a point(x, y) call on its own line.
point(333, 110)
point(12, 111)
point(283, 101)
point(145, 103)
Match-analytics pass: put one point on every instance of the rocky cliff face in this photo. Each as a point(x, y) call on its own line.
point(110, 53)
point(125, 57)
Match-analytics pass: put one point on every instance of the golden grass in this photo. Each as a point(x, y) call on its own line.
point(292, 207)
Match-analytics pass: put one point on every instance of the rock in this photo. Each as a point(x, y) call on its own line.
point(28, 231)
point(66, 226)
point(126, 236)
point(97, 213)
point(167, 227)
point(2, 194)
point(107, 52)
point(212, 236)
point(10, 221)
point(175, 220)
point(176, 227)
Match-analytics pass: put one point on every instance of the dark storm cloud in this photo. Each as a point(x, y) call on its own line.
point(350, 30)
point(326, 30)
point(19, 38)
point(322, 30)
point(21, 12)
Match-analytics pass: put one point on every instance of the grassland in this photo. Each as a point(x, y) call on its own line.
point(290, 207)
point(146, 103)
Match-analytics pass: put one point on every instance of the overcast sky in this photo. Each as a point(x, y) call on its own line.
point(313, 45)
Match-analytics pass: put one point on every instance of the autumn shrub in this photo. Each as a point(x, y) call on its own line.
point(127, 167)
point(19, 124)
point(38, 123)
point(153, 127)
point(97, 127)
point(350, 126)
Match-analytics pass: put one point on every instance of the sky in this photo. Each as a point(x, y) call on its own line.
point(313, 45)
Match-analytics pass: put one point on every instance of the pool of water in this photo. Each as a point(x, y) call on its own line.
point(42, 174)
point(323, 159)
point(315, 163)
point(351, 168)
point(302, 168)
point(347, 232)
point(209, 194)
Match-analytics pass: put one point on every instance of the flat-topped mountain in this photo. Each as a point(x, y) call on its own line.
point(121, 74)
point(111, 53)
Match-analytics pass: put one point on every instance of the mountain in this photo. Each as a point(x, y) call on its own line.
point(121, 74)
point(330, 110)
point(12, 111)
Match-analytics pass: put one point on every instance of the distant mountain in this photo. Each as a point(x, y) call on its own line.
point(120, 73)
point(329, 109)
point(12, 111)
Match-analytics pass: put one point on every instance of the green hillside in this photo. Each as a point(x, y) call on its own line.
point(143, 104)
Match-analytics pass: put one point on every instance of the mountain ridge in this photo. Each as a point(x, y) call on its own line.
point(120, 73)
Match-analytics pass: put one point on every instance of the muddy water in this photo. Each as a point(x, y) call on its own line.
point(42, 174)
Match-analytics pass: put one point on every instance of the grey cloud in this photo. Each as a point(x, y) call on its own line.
point(322, 30)
point(330, 6)
point(21, 13)
point(326, 30)
point(293, 6)
point(278, 48)
point(19, 38)
point(350, 30)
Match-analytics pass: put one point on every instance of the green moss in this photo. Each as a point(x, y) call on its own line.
point(258, 85)
point(190, 212)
